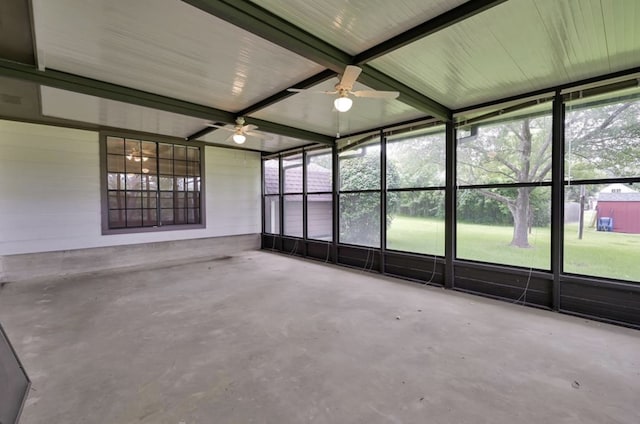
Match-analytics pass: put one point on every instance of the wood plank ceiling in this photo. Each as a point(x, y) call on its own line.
point(171, 67)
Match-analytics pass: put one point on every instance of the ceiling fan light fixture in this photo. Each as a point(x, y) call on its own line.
point(136, 156)
point(239, 138)
point(342, 104)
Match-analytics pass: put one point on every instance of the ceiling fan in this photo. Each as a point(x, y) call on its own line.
point(240, 130)
point(344, 88)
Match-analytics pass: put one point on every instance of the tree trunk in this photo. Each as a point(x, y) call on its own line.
point(520, 214)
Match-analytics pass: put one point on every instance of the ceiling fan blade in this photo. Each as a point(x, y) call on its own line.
point(349, 77)
point(248, 128)
point(221, 127)
point(376, 94)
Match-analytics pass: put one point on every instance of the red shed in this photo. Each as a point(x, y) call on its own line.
point(624, 208)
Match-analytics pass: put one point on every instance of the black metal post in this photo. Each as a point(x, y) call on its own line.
point(336, 200)
point(262, 201)
point(450, 205)
point(304, 203)
point(557, 198)
point(281, 199)
point(383, 200)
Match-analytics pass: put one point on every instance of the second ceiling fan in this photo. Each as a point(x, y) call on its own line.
point(240, 130)
point(344, 88)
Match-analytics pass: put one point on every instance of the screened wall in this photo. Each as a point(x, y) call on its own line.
point(536, 202)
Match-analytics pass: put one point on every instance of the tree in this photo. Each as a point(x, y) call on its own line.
point(601, 140)
point(517, 151)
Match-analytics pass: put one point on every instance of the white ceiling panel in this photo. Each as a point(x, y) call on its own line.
point(267, 142)
point(165, 47)
point(315, 112)
point(517, 47)
point(621, 20)
point(356, 25)
point(110, 113)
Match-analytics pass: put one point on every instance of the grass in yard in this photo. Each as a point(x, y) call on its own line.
point(417, 235)
point(490, 243)
point(602, 254)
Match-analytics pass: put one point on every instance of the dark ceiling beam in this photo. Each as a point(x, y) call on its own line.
point(308, 83)
point(440, 22)
point(110, 91)
point(263, 23)
point(78, 84)
point(259, 21)
point(201, 133)
point(293, 132)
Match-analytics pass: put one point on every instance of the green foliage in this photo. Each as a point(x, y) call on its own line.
point(360, 212)
point(360, 218)
point(360, 169)
point(512, 151)
point(603, 140)
point(419, 161)
point(419, 204)
point(540, 207)
point(322, 159)
point(474, 206)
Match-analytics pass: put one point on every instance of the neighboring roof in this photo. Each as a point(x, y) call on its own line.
point(618, 188)
point(619, 197)
point(318, 179)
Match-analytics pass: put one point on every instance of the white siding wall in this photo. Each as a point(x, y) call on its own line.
point(50, 192)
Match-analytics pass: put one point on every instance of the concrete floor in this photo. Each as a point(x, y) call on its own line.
point(264, 338)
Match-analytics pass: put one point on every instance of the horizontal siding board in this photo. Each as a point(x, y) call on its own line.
point(55, 204)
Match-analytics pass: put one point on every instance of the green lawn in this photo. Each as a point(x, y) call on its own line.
point(489, 243)
point(418, 235)
point(602, 254)
point(613, 255)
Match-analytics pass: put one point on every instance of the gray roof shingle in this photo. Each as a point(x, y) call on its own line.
point(318, 179)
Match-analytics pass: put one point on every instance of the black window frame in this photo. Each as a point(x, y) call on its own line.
point(377, 191)
point(408, 135)
point(104, 189)
point(579, 100)
point(470, 128)
point(311, 193)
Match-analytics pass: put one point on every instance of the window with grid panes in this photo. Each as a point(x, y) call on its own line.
point(152, 184)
